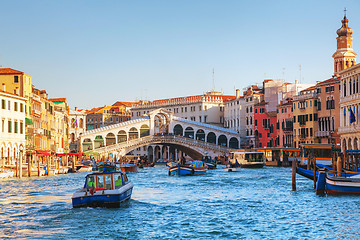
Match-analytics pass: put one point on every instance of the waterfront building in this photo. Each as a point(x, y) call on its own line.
point(12, 126)
point(19, 83)
point(206, 108)
point(265, 126)
point(284, 123)
point(305, 116)
point(77, 127)
point(107, 115)
point(328, 109)
point(349, 129)
point(47, 120)
point(60, 126)
point(349, 73)
point(234, 117)
point(252, 96)
point(34, 130)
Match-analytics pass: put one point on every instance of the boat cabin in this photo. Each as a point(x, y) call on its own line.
point(105, 181)
point(246, 157)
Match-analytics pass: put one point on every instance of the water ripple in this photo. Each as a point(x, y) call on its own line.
point(250, 204)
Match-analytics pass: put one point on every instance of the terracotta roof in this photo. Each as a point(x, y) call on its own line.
point(94, 110)
point(57, 99)
point(272, 114)
point(9, 71)
point(11, 94)
point(308, 89)
point(188, 99)
point(328, 81)
point(126, 104)
point(261, 103)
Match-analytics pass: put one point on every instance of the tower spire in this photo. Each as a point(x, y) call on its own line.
point(344, 57)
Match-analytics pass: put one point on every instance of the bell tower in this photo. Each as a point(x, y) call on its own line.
point(344, 57)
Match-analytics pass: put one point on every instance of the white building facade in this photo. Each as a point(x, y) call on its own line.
point(76, 128)
point(349, 108)
point(12, 127)
point(206, 108)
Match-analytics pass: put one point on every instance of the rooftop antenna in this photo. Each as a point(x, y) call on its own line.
point(300, 73)
point(345, 12)
point(213, 78)
point(283, 73)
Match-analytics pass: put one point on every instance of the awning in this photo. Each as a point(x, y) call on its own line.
point(43, 153)
point(76, 154)
point(28, 121)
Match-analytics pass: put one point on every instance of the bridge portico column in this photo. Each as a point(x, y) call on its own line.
point(154, 154)
point(161, 153)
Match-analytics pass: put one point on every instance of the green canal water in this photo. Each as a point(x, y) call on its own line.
point(250, 204)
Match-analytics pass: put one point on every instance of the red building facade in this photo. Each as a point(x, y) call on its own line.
point(265, 127)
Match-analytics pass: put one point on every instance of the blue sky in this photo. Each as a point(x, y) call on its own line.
point(95, 53)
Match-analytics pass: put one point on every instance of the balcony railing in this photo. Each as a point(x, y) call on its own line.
point(288, 129)
point(302, 123)
point(323, 134)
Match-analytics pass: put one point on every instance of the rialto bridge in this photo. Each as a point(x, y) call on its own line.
point(163, 134)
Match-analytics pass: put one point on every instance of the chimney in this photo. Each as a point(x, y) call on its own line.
point(76, 108)
point(296, 81)
point(237, 93)
point(4, 87)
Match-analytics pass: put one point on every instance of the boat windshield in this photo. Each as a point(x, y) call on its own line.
point(118, 180)
point(254, 157)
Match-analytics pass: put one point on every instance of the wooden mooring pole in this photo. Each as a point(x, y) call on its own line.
point(293, 176)
point(38, 165)
point(314, 165)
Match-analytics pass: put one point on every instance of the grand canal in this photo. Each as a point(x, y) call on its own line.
point(250, 204)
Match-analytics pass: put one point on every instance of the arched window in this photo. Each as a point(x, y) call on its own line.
point(211, 138)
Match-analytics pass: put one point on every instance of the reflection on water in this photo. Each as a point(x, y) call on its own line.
point(252, 203)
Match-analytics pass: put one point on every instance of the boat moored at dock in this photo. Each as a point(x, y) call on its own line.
point(332, 184)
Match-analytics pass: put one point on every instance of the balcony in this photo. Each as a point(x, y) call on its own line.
point(287, 129)
point(305, 96)
point(302, 123)
point(37, 112)
point(302, 136)
point(323, 134)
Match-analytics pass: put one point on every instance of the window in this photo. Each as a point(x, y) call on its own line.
point(3, 104)
point(16, 79)
point(21, 128)
point(15, 127)
point(9, 126)
point(8, 105)
point(15, 106)
point(21, 107)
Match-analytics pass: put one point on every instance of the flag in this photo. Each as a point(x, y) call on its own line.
point(75, 122)
point(344, 111)
point(352, 116)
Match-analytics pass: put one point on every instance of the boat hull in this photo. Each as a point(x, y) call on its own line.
point(129, 169)
point(252, 165)
point(307, 173)
point(341, 186)
point(182, 170)
point(232, 169)
point(103, 198)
